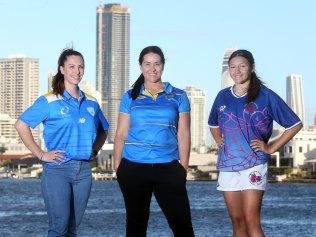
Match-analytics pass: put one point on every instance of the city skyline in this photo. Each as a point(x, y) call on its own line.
point(194, 38)
point(112, 57)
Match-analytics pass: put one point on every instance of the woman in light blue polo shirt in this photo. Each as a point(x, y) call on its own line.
point(152, 147)
point(74, 131)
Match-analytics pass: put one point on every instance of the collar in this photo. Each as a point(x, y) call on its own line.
point(67, 96)
point(167, 87)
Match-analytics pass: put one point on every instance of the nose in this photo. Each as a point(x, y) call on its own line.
point(78, 70)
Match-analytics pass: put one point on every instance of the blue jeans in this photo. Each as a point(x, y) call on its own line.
point(66, 189)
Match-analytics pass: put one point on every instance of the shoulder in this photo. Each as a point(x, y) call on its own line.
point(90, 97)
point(226, 92)
point(49, 97)
point(267, 92)
point(171, 89)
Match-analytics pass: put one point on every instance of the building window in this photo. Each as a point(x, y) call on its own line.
point(300, 149)
point(290, 149)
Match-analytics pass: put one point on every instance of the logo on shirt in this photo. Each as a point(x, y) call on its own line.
point(91, 111)
point(222, 108)
point(169, 96)
point(82, 120)
point(64, 110)
point(255, 178)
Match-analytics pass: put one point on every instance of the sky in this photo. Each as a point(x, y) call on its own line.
point(193, 36)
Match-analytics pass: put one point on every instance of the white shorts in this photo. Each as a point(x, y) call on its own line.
point(252, 178)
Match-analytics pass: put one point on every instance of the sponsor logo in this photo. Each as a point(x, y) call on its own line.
point(169, 96)
point(222, 108)
point(64, 110)
point(91, 111)
point(255, 178)
point(82, 120)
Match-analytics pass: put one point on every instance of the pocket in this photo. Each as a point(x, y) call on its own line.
point(182, 169)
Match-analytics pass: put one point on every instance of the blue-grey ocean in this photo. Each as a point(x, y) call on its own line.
point(288, 210)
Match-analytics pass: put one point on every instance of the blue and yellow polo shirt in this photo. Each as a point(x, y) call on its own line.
point(152, 135)
point(70, 125)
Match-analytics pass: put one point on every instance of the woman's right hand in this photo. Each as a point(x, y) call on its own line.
point(53, 156)
point(220, 142)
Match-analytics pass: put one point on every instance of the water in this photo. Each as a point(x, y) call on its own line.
point(288, 210)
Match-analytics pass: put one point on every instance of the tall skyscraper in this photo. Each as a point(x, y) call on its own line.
point(50, 76)
point(295, 95)
point(113, 46)
point(197, 103)
point(227, 81)
point(19, 84)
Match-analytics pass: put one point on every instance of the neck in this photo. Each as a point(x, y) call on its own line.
point(240, 89)
point(73, 91)
point(153, 88)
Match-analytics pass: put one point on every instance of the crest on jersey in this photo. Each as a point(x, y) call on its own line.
point(91, 111)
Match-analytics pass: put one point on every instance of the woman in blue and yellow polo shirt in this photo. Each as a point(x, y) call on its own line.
point(74, 131)
point(152, 147)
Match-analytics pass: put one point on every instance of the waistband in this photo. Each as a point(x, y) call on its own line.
point(150, 164)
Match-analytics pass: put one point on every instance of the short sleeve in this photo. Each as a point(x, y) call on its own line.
point(184, 105)
point(36, 113)
point(213, 117)
point(281, 112)
point(103, 123)
point(125, 106)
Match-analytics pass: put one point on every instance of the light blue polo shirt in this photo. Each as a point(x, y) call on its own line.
point(69, 125)
point(152, 135)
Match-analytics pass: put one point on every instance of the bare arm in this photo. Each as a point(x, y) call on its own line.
point(28, 140)
point(272, 147)
point(99, 141)
point(184, 139)
point(217, 135)
point(120, 136)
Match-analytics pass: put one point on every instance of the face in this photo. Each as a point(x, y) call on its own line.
point(152, 67)
point(240, 70)
point(72, 70)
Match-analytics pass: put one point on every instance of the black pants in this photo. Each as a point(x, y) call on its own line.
point(168, 183)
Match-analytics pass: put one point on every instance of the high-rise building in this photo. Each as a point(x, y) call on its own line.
point(294, 95)
point(50, 76)
point(112, 62)
point(19, 84)
point(87, 88)
point(197, 102)
point(227, 81)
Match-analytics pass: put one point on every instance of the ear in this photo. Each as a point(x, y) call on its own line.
point(61, 70)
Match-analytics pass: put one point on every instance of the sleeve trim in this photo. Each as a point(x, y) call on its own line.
point(293, 125)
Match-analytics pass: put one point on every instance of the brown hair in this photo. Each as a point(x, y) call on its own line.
point(255, 82)
point(58, 80)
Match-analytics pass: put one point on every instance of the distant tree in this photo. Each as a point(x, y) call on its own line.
point(2, 149)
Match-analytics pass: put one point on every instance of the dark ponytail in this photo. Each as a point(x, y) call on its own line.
point(137, 85)
point(255, 82)
point(140, 81)
point(254, 87)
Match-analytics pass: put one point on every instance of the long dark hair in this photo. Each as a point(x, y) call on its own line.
point(255, 82)
point(58, 84)
point(140, 81)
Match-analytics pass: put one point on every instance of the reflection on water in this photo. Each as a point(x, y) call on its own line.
point(288, 210)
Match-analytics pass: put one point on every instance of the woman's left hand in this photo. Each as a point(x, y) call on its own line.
point(259, 145)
